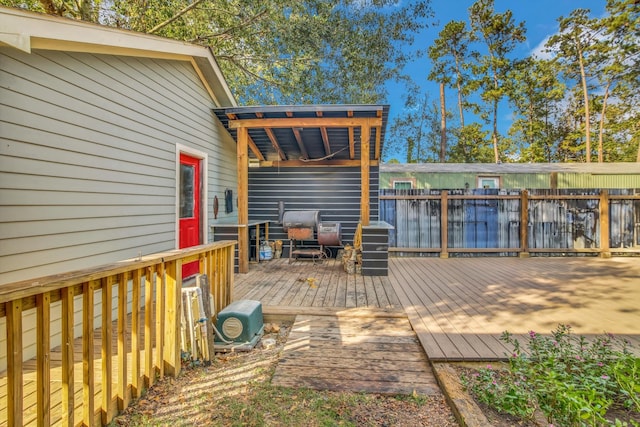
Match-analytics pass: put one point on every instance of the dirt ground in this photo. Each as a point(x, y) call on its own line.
point(236, 390)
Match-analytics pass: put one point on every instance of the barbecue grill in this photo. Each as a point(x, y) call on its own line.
point(308, 235)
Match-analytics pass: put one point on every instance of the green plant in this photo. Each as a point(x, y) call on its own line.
point(572, 380)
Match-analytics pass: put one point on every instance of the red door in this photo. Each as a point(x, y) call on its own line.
point(190, 196)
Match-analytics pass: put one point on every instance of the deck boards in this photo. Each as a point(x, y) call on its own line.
point(307, 284)
point(374, 355)
point(460, 306)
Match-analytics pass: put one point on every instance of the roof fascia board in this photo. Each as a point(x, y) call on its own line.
point(286, 122)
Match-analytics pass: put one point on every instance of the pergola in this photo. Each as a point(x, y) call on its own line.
point(302, 136)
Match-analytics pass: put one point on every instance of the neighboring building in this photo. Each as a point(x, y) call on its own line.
point(509, 175)
point(100, 130)
point(93, 122)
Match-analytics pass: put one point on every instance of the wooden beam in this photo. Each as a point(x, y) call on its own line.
point(325, 137)
point(243, 200)
point(274, 140)
point(376, 154)
point(298, 137)
point(327, 163)
point(252, 145)
point(352, 141)
point(364, 175)
point(306, 122)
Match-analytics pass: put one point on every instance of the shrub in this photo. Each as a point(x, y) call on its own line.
point(572, 380)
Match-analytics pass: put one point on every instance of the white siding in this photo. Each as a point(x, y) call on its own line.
point(88, 162)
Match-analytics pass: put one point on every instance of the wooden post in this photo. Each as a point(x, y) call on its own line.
point(161, 279)
point(444, 224)
point(229, 275)
point(122, 342)
point(88, 383)
point(43, 359)
point(172, 318)
point(107, 333)
point(148, 327)
point(365, 163)
point(14, 362)
point(243, 199)
point(135, 333)
point(67, 357)
point(524, 224)
point(605, 251)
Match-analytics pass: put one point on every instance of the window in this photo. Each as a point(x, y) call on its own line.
point(488, 182)
point(403, 183)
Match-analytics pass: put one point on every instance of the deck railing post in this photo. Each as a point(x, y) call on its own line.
point(43, 359)
point(605, 251)
point(88, 383)
point(14, 362)
point(136, 389)
point(524, 224)
point(148, 327)
point(444, 224)
point(68, 392)
point(123, 401)
point(172, 318)
point(107, 333)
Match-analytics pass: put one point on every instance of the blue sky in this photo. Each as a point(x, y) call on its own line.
point(540, 17)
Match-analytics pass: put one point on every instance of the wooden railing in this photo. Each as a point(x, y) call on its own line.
point(511, 222)
point(153, 285)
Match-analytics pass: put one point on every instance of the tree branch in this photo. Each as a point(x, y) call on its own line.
point(230, 30)
point(174, 17)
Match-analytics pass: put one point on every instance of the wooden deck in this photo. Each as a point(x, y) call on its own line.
point(353, 330)
point(277, 283)
point(460, 307)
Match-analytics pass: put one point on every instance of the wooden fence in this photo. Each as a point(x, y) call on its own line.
point(511, 222)
point(144, 294)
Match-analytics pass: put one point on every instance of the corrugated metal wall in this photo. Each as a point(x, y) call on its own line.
point(335, 192)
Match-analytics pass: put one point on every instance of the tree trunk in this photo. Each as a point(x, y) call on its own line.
point(458, 86)
point(495, 122)
point(601, 130)
point(443, 125)
point(585, 93)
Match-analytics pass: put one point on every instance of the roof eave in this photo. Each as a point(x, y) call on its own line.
point(26, 30)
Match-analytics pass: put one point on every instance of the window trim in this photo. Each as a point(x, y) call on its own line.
point(410, 180)
point(497, 179)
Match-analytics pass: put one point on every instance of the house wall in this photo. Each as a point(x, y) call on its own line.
point(88, 160)
point(334, 191)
